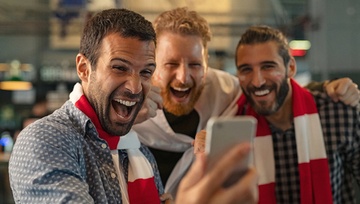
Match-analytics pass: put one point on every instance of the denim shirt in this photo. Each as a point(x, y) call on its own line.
point(61, 159)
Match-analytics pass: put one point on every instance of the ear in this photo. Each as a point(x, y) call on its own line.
point(291, 67)
point(83, 67)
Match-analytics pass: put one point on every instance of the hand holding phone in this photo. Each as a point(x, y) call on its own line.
point(224, 132)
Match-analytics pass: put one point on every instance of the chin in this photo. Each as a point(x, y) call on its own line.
point(118, 129)
point(177, 109)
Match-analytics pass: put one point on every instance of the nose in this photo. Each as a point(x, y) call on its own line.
point(133, 83)
point(258, 79)
point(183, 73)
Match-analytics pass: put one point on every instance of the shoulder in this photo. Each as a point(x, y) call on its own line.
point(336, 112)
point(324, 101)
point(221, 75)
point(59, 130)
point(221, 81)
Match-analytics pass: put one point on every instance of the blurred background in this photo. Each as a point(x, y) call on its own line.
point(39, 40)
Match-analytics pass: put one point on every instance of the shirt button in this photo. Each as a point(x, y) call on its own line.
point(113, 175)
point(91, 125)
point(103, 145)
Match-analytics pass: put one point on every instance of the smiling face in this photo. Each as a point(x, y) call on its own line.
point(263, 76)
point(117, 86)
point(181, 68)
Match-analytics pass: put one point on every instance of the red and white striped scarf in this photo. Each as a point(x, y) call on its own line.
point(312, 160)
point(141, 185)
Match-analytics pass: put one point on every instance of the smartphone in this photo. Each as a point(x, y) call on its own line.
point(224, 132)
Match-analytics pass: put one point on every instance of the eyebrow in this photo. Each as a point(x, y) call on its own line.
point(268, 62)
point(129, 63)
point(242, 66)
point(121, 59)
point(261, 63)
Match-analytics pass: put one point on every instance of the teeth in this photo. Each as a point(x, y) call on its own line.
point(180, 89)
point(261, 93)
point(125, 103)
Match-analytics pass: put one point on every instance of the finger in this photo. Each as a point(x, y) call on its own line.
point(337, 88)
point(348, 98)
point(356, 100)
point(356, 86)
point(350, 93)
point(199, 143)
point(167, 198)
point(330, 91)
point(194, 174)
point(152, 107)
point(216, 176)
point(156, 89)
point(341, 88)
point(151, 113)
point(148, 110)
point(243, 191)
point(155, 95)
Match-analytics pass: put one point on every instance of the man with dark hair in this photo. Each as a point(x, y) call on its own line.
point(307, 147)
point(70, 154)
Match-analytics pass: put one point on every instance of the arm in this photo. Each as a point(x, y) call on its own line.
point(41, 171)
point(342, 89)
point(353, 150)
point(316, 86)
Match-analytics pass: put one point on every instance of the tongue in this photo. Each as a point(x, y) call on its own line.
point(179, 94)
point(120, 109)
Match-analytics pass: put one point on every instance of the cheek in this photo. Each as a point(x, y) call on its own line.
point(146, 85)
point(197, 74)
point(277, 75)
point(202, 77)
point(242, 79)
point(157, 75)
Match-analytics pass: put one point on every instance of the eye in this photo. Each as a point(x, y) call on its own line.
point(268, 66)
point(147, 73)
point(244, 70)
point(171, 65)
point(120, 68)
point(195, 65)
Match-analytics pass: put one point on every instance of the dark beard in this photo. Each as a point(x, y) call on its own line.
point(125, 127)
point(280, 98)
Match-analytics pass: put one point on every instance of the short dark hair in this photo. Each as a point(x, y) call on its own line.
point(263, 34)
point(122, 21)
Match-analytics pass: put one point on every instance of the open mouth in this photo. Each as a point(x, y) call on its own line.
point(262, 92)
point(123, 108)
point(180, 92)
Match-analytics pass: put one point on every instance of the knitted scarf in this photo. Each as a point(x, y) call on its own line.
point(141, 185)
point(312, 161)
